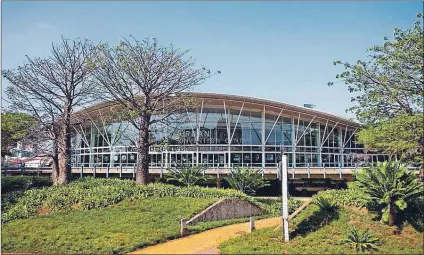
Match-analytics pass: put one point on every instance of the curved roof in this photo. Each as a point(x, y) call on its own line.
point(252, 104)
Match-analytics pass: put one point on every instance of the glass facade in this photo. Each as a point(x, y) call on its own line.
point(223, 137)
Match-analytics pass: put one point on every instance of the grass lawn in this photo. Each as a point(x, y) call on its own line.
point(324, 240)
point(120, 228)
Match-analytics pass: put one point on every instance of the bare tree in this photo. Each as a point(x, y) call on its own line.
point(149, 82)
point(50, 89)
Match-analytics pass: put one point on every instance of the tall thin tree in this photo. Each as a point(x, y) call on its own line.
point(50, 89)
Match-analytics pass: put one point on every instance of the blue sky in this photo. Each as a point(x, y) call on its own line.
point(279, 51)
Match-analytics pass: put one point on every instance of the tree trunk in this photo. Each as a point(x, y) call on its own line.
point(65, 159)
point(55, 163)
point(65, 150)
point(421, 175)
point(142, 171)
point(392, 214)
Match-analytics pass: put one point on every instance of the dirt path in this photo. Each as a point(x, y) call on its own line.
point(206, 242)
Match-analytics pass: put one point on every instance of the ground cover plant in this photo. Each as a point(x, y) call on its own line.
point(325, 239)
point(21, 183)
point(347, 197)
point(89, 193)
point(106, 216)
point(119, 228)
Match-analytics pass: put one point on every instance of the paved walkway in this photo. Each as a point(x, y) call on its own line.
point(207, 241)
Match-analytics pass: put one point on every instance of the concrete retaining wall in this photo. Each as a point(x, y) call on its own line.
point(226, 208)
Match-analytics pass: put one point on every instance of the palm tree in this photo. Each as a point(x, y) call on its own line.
point(392, 186)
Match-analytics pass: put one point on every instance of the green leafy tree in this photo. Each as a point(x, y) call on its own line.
point(247, 180)
point(389, 85)
point(392, 186)
point(360, 240)
point(396, 136)
point(188, 176)
point(14, 128)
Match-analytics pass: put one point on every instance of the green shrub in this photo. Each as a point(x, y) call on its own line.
point(392, 186)
point(360, 240)
point(10, 198)
point(326, 205)
point(13, 183)
point(187, 176)
point(274, 206)
point(247, 180)
point(89, 193)
point(346, 197)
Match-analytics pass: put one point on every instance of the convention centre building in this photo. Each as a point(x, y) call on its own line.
point(223, 132)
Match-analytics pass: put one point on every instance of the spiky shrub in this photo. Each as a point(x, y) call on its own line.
point(328, 207)
point(247, 180)
point(360, 240)
point(187, 176)
point(391, 186)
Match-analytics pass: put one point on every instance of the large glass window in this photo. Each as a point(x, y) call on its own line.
point(287, 131)
point(114, 144)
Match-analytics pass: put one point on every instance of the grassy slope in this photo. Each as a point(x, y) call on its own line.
point(325, 239)
point(117, 229)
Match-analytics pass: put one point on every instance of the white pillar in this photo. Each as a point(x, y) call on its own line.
point(251, 225)
point(285, 199)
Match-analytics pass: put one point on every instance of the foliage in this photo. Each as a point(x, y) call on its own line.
point(118, 229)
point(188, 176)
point(390, 185)
point(326, 212)
point(12, 183)
point(360, 240)
point(390, 82)
point(389, 93)
point(326, 205)
point(89, 193)
point(413, 214)
point(346, 197)
point(14, 128)
point(247, 180)
point(274, 206)
point(324, 240)
point(10, 198)
point(395, 136)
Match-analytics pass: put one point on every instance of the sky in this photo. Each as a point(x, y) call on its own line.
point(281, 51)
